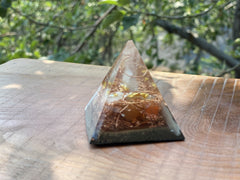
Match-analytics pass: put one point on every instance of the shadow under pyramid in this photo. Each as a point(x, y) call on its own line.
point(128, 107)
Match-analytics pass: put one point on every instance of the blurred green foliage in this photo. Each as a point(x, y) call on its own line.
point(53, 30)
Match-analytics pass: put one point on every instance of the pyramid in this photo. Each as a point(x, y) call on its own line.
point(128, 107)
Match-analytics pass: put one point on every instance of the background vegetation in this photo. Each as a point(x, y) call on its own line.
point(201, 37)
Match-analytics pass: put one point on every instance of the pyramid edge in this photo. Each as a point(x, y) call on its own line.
point(137, 136)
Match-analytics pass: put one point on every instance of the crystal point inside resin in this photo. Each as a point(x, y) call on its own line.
point(128, 107)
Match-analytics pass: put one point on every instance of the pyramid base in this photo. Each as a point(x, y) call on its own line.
point(157, 134)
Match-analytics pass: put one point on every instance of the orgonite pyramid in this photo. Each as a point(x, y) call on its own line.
point(128, 107)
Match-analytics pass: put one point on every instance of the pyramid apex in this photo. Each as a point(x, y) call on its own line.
point(130, 49)
point(130, 43)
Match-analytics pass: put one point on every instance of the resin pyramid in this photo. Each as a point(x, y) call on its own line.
point(128, 107)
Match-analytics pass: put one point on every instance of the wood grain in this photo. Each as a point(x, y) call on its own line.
point(43, 136)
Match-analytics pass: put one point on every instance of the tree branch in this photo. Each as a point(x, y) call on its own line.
point(228, 70)
point(95, 26)
point(201, 43)
point(8, 34)
point(178, 17)
point(229, 5)
point(28, 17)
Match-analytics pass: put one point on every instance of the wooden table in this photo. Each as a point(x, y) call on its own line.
point(43, 135)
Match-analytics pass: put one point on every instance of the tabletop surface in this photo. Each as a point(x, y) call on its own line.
point(43, 134)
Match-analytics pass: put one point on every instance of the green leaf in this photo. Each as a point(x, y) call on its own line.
point(123, 2)
point(160, 61)
point(168, 39)
point(37, 54)
point(123, 12)
point(113, 2)
point(71, 59)
point(3, 12)
point(237, 41)
point(113, 17)
point(148, 63)
point(33, 44)
point(129, 21)
point(149, 52)
point(48, 4)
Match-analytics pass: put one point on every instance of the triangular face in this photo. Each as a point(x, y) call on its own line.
point(128, 107)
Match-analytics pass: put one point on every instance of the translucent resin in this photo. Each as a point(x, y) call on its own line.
point(128, 107)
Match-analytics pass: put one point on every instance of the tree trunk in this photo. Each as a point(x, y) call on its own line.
point(236, 24)
point(201, 43)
